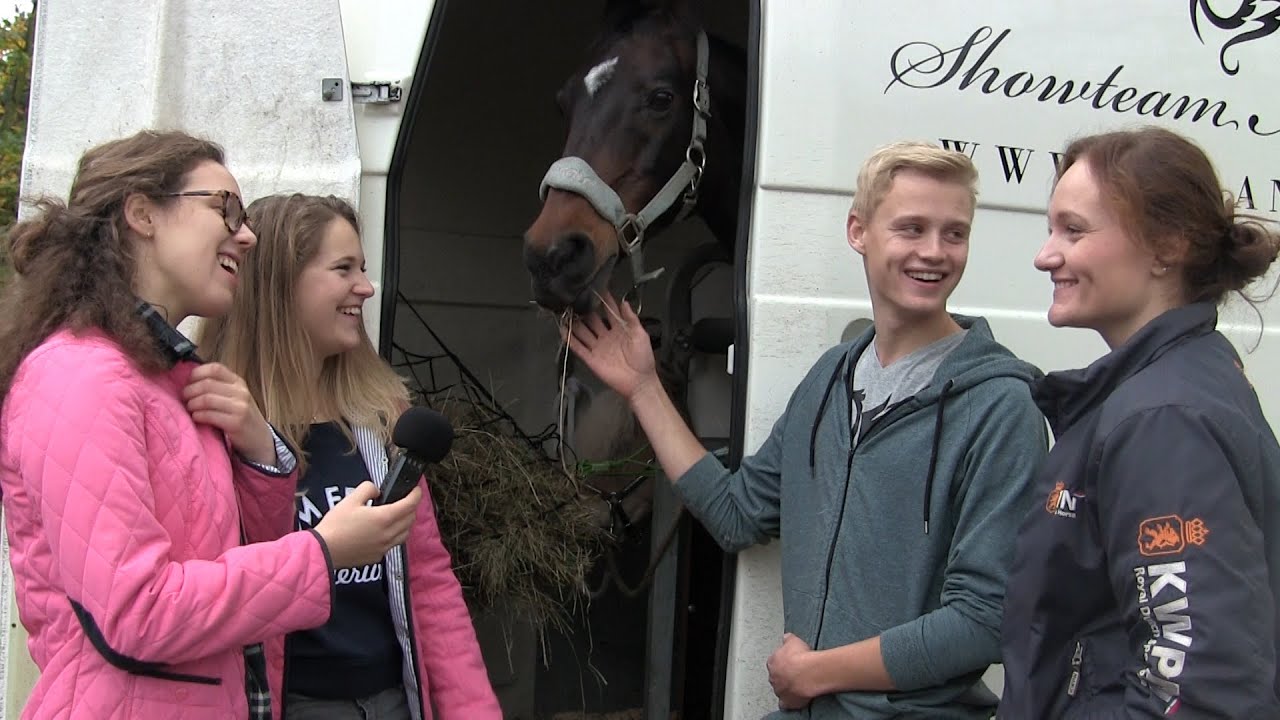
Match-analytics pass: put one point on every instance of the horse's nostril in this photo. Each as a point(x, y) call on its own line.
point(567, 251)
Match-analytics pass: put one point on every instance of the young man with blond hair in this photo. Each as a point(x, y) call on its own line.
point(895, 478)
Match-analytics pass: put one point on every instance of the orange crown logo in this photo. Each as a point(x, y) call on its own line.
point(1170, 534)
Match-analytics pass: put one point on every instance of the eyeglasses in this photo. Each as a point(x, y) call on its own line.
point(233, 215)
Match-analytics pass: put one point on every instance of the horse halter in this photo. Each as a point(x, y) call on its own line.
point(574, 175)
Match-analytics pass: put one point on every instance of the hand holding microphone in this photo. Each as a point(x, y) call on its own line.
point(423, 436)
point(358, 534)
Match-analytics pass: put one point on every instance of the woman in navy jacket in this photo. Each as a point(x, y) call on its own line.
point(1146, 583)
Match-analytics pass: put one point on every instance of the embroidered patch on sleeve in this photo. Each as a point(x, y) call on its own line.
point(1062, 501)
point(1169, 535)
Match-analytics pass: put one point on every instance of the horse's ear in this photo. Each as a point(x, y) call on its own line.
point(688, 10)
point(620, 13)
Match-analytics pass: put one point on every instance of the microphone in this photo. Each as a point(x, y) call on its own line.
point(423, 436)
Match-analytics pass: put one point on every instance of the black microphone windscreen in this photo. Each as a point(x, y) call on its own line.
point(424, 433)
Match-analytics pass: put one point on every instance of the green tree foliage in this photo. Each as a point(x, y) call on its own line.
point(16, 37)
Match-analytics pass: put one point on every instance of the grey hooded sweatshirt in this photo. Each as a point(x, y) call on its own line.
point(857, 560)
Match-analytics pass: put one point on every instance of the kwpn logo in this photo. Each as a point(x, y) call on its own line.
point(1062, 502)
point(1170, 535)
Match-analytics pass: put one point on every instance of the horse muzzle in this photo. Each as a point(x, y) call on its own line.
point(565, 275)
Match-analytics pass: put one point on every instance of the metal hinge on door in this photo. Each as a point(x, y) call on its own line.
point(377, 92)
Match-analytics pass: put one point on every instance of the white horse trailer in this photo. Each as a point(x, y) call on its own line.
point(436, 118)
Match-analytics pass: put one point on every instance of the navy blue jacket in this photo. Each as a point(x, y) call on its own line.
point(1145, 582)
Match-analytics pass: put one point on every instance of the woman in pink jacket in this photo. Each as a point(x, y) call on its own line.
point(124, 461)
point(400, 643)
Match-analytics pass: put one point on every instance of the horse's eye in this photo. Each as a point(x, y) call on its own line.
point(660, 100)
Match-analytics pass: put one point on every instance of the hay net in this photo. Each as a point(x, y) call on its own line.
point(522, 539)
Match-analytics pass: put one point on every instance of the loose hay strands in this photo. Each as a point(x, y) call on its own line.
point(521, 537)
point(523, 534)
point(566, 327)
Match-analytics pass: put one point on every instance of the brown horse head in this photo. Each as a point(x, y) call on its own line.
point(630, 108)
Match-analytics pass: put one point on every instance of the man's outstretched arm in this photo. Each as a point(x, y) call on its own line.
point(739, 509)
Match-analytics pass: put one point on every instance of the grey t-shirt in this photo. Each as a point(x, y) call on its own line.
point(877, 388)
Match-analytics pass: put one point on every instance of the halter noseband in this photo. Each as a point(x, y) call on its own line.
point(573, 174)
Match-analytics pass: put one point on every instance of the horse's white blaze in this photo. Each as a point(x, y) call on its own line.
point(599, 75)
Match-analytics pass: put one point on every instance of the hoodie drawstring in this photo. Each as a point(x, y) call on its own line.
point(822, 408)
point(933, 455)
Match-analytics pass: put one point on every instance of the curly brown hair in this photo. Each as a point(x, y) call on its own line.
point(74, 263)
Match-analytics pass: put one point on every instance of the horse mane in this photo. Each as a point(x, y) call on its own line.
point(621, 18)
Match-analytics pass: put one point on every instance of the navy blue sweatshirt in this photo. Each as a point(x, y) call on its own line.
point(356, 653)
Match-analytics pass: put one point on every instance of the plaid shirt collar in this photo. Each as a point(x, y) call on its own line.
point(175, 346)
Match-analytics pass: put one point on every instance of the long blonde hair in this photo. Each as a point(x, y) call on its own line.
point(263, 341)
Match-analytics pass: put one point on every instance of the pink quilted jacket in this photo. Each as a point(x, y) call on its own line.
point(116, 500)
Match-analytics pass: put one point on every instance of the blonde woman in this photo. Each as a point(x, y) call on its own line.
point(400, 643)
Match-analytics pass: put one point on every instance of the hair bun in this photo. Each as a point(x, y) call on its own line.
point(1251, 249)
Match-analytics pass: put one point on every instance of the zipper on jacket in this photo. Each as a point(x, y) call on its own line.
point(854, 442)
point(887, 418)
point(831, 549)
point(1077, 659)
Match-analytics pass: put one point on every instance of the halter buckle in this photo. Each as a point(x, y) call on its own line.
point(702, 97)
point(630, 234)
